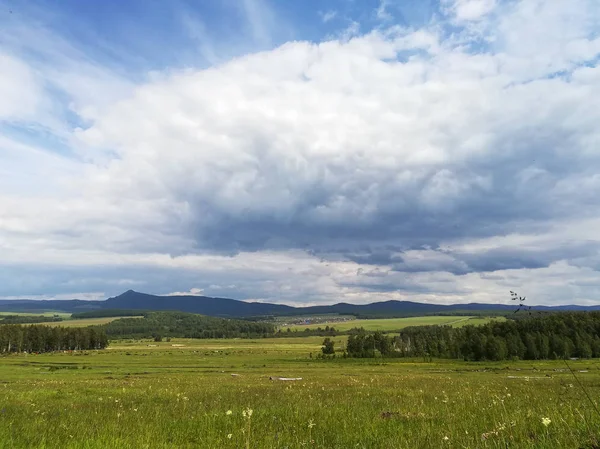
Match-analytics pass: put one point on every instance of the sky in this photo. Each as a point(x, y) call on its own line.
point(301, 153)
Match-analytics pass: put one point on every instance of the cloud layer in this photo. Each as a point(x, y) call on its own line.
point(445, 162)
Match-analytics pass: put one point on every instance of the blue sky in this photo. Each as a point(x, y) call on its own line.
point(301, 152)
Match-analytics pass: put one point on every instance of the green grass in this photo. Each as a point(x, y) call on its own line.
point(86, 321)
point(156, 395)
point(66, 319)
point(63, 315)
point(393, 324)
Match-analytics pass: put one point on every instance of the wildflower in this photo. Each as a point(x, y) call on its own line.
point(311, 424)
point(229, 435)
point(228, 412)
point(445, 438)
point(546, 421)
point(247, 413)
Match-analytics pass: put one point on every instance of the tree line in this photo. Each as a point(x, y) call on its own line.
point(186, 325)
point(104, 313)
point(308, 332)
point(28, 319)
point(39, 338)
point(553, 336)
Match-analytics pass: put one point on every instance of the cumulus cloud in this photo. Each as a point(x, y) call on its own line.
point(399, 163)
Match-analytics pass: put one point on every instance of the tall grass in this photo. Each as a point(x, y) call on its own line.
point(135, 396)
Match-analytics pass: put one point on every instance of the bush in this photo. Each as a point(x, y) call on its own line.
point(328, 346)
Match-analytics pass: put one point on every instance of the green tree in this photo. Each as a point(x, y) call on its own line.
point(328, 346)
point(496, 348)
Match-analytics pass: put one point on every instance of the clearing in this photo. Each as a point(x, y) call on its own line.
point(86, 321)
point(393, 324)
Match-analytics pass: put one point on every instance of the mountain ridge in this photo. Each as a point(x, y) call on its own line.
point(227, 307)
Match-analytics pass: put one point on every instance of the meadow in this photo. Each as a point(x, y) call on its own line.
point(63, 315)
point(66, 321)
point(218, 394)
point(393, 324)
point(86, 321)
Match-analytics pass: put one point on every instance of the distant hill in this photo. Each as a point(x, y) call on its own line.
point(48, 305)
point(225, 307)
point(204, 305)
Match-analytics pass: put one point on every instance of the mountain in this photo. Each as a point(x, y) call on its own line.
point(48, 305)
point(225, 307)
point(204, 305)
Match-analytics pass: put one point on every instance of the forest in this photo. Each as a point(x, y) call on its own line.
point(187, 325)
point(309, 332)
point(28, 319)
point(104, 313)
point(39, 338)
point(552, 336)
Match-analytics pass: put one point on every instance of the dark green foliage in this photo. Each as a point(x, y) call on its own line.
point(107, 313)
point(187, 325)
point(549, 336)
point(365, 345)
point(328, 346)
point(308, 332)
point(17, 338)
point(28, 319)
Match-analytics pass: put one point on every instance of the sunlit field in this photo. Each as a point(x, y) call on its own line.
point(218, 394)
point(85, 321)
point(63, 315)
point(66, 319)
point(392, 324)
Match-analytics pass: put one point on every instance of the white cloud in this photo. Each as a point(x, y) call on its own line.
point(381, 12)
point(261, 20)
point(328, 15)
point(19, 90)
point(467, 10)
point(190, 292)
point(392, 139)
point(86, 296)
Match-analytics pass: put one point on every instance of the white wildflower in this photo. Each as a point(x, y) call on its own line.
point(546, 421)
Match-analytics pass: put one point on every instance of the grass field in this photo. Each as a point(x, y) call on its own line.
point(157, 395)
point(63, 315)
point(85, 321)
point(392, 324)
point(66, 319)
